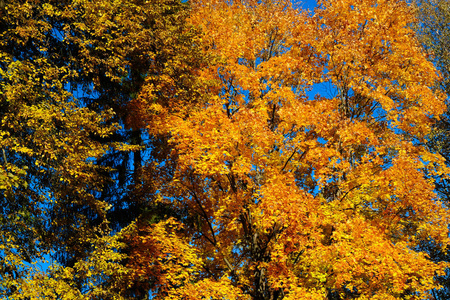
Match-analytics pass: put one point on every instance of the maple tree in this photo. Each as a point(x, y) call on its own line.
point(293, 196)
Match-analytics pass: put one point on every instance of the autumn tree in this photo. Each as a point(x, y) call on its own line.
point(48, 142)
point(69, 72)
point(258, 187)
point(433, 31)
point(295, 194)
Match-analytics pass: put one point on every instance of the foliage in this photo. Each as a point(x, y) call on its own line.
point(258, 185)
point(68, 73)
point(308, 197)
point(48, 141)
point(433, 30)
point(434, 33)
point(89, 278)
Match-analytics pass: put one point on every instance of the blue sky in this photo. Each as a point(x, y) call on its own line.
point(307, 4)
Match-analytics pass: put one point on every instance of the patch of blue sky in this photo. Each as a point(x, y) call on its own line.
point(305, 4)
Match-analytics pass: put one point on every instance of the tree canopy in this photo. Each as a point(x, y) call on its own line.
point(433, 32)
point(217, 150)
